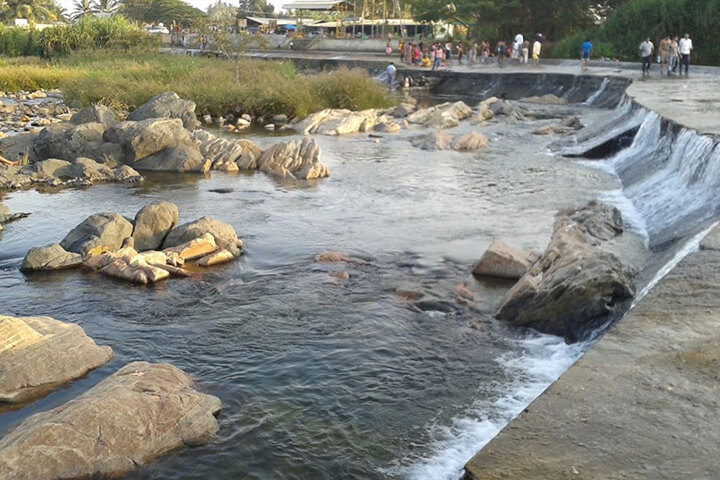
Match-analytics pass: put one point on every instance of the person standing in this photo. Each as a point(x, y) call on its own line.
point(685, 46)
point(673, 56)
point(517, 47)
point(391, 71)
point(664, 55)
point(525, 52)
point(537, 48)
point(586, 53)
point(501, 53)
point(461, 51)
point(646, 50)
point(438, 57)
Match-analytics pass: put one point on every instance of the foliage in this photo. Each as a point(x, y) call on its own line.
point(255, 8)
point(630, 23)
point(222, 13)
point(163, 11)
point(82, 8)
point(35, 11)
point(129, 81)
point(502, 19)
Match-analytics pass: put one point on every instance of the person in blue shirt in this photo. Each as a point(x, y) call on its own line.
point(391, 71)
point(586, 53)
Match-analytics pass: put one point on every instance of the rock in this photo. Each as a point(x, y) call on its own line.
point(223, 234)
point(269, 126)
point(181, 158)
point(36, 95)
point(548, 99)
point(89, 169)
point(52, 167)
point(565, 126)
point(18, 146)
point(153, 223)
point(148, 137)
point(463, 293)
point(136, 271)
point(507, 109)
point(38, 354)
point(207, 119)
point(432, 141)
point(167, 105)
point(387, 127)
point(280, 119)
point(241, 123)
point(338, 257)
point(403, 110)
point(198, 247)
point(139, 413)
point(227, 155)
point(246, 117)
point(469, 142)
point(51, 257)
point(94, 114)
point(294, 159)
point(101, 229)
point(126, 174)
point(130, 265)
point(340, 275)
point(341, 122)
point(575, 285)
point(446, 115)
point(502, 261)
point(216, 258)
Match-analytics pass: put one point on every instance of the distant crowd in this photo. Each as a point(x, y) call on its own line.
point(673, 55)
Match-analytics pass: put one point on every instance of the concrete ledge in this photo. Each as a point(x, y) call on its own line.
point(642, 403)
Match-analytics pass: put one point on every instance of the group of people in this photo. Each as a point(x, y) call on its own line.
point(438, 54)
point(674, 55)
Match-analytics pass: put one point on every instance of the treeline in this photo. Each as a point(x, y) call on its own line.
point(628, 25)
point(86, 33)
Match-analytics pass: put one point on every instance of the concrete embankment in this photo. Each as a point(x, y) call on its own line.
point(642, 403)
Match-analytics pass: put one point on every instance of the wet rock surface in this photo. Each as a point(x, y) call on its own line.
point(51, 257)
point(576, 285)
point(445, 115)
point(640, 404)
point(503, 261)
point(139, 413)
point(294, 159)
point(40, 353)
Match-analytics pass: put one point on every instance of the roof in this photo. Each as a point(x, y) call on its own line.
point(278, 21)
point(378, 21)
point(322, 5)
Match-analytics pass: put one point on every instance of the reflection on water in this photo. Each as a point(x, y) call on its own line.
point(320, 380)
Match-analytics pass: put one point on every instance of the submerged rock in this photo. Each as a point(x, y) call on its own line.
point(98, 230)
point(40, 353)
point(502, 261)
point(294, 159)
point(469, 142)
point(432, 141)
point(141, 412)
point(51, 257)
point(338, 257)
point(575, 285)
point(167, 105)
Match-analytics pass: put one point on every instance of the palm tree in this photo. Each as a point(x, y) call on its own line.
point(106, 7)
point(35, 11)
point(82, 8)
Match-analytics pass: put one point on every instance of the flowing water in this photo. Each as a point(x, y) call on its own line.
point(320, 379)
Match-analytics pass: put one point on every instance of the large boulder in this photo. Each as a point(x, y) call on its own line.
point(153, 223)
point(67, 141)
point(16, 147)
point(167, 105)
point(99, 230)
point(227, 155)
point(223, 233)
point(52, 167)
point(38, 353)
point(342, 122)
point(576, 285)
point(51, 257)
point(469, 142)
point(94, 114)
point(432, 141)
point(147, 137)
point(141, 412)
point(294, 159)
point(503, 261)
point(181, 158)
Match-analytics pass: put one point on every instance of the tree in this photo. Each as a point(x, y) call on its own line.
point(250, 8)
point(163, 11)
point(222, 13)
point(106, 7)
point(35, 11)
point(82, 8)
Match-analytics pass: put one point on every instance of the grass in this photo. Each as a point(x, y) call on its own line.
point(128, 79)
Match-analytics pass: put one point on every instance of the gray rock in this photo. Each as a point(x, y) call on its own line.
point(51, 167)
point(153, 223)
point(575, 285)
point(141, 412)
point(432, 141)
point(167, 105)
point(67, 142)
point(51, 257)
point(469, 142)
point(94, 114)
point(89, 169)
point(182, 158)
point(16, 147)
point(127, 174)
point(147, 137)
point(39, 353)
point(98, 230)
point(503, 261)
point(224, 234)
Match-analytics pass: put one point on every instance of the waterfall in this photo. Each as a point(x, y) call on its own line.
point(592, 98)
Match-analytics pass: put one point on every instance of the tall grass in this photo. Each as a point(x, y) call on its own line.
point(129, 80)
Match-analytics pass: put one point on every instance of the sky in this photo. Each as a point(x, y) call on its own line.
point(201, 4)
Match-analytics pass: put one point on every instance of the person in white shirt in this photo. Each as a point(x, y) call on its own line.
point(517, 46)
point(646, 50)
point(391, 71)
point(537, 47)
point(684, 48)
